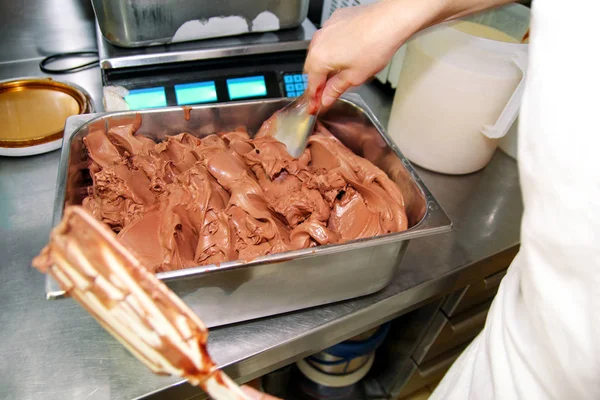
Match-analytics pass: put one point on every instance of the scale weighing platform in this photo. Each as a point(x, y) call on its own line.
point(253, 66)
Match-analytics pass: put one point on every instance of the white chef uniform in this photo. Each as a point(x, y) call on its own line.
point(542, 335)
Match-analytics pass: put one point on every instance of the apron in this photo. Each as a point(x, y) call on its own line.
point(542, 335)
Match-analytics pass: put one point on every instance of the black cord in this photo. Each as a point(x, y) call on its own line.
point(62, 56)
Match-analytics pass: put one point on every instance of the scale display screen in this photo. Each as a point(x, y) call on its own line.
point(189, 89)
point(146, 98)
point(195, 93)
point(243, 88)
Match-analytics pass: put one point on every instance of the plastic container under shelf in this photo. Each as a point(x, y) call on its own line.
point(334, 372)
point(460, 90)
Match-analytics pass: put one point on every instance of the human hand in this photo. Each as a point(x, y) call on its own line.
point(353, 45)
point(357, 42)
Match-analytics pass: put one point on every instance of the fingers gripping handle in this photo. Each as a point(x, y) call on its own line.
point(510, 112)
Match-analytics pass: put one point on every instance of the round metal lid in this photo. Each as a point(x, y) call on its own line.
point(33, 113)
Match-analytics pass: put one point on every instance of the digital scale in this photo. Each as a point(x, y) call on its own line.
point(253, 66)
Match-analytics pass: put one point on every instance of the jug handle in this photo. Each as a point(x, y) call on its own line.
point(510, 112)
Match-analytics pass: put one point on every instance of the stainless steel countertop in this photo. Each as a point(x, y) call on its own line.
point(54, 350)
point(112, 56)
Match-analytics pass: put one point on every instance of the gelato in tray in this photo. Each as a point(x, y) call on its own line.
point(187, 201)
point(195, 200)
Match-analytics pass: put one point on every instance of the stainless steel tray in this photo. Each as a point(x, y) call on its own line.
point(237, 291)
point(138, 23)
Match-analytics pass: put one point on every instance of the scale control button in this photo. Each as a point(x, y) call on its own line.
point(306, 85)
point(305, 78)
point(291, 94)
point(297, 78)
point(288, 79)
point(300, 92)
point(299, 86)
point(290, 86)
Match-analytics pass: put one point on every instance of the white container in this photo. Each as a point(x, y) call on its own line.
point(460, 90)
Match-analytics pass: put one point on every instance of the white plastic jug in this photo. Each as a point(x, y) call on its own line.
point(460, 90)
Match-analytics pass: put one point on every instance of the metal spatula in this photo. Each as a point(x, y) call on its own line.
point(293, 124)
point(154, 324)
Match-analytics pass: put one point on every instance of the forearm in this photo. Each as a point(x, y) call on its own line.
point(452, 9)
point(357, 42)
point(426, 13)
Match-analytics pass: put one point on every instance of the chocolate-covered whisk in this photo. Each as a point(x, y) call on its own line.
point(156, 326)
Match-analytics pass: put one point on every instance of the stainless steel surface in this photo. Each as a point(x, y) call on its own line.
point(267, 43)
point(138, 23)
point(431, 334)
point(456, 332)
point(473, 294)
point(395, 356)
point(56, 351)
point(293, 125)
point(278, 283)
point(34, 29)
point(75, 358)
point(426, 374)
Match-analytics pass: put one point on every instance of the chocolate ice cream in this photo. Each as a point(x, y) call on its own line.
point(188, 201)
